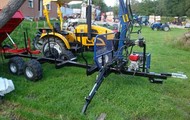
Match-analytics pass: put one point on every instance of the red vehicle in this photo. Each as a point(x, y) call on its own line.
point(7, 29)
point(16, 64)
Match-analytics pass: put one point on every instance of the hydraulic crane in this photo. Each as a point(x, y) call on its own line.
point(116, 56)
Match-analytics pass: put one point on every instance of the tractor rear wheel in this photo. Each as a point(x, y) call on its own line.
point(53, 48)
point(16, 65)
point(33, 70)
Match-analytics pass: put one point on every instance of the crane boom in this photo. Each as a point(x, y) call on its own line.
point(59, 13)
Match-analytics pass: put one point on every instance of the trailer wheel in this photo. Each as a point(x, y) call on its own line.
point(33, 70)
point(53, 48)
point(16, 65)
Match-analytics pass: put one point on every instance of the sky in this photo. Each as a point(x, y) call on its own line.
point(108, 2)
point(111, 2)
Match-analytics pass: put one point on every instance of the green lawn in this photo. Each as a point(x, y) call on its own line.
point(60, 94)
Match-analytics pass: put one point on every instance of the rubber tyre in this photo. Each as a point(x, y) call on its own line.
point(166, 28)
point(16, 65)
point(53, 53)
point(33, 70)
point(67, 55)
point(155, 29)
point(6, 47)
point(56, 44)
point(37, 42)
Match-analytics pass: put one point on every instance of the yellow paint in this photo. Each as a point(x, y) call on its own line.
point(59, 13)
point(99, 30)
point(80, 29)
point(46, 14)
point(125, 18)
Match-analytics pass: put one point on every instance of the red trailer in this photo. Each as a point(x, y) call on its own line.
point(32, 69)
point(16, 19)
point(7, 29)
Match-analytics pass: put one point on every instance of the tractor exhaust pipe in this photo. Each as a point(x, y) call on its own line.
point(89, 19)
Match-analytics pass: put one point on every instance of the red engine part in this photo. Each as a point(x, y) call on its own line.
point(134, 57)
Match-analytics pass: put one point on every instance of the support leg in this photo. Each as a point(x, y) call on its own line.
point(97, 84)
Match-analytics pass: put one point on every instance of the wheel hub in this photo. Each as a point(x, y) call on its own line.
point(29, 72)
point(13, 67)
point(52, 50)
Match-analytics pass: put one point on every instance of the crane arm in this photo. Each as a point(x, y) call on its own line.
point(46, 14)
point(59, 13)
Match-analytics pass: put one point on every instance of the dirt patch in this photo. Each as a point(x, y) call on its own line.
point(7, 109)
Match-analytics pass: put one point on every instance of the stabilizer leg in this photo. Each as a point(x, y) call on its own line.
point(97, 84)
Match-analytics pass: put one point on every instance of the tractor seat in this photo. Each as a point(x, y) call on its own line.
point(57, 29)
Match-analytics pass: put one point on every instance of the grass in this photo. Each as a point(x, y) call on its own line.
point(60, 94)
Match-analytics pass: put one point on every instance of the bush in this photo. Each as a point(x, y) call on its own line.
point(183, 42)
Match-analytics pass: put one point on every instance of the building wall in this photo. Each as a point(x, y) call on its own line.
point(28, 11)
point(53, 11)
point(35, 11)
point(3, 3)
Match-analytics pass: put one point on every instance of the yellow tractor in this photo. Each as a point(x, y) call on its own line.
point(59, 43)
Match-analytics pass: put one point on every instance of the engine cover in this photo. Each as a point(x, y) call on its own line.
point(134, 57)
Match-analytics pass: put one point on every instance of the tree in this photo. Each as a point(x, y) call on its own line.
point(161, 8)
point(135, 6)
point(78, 6)
point(187, 8)
point(116, 10)
point(9, 10)
point(102, 5)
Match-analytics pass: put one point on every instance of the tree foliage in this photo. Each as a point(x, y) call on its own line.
point(78, 6)
point(162, 7)
point(115, 9)
point(101, 3)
